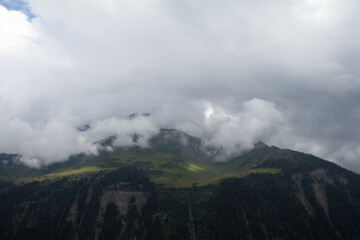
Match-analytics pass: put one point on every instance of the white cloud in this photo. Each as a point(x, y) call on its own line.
point(97, 61)
point(124, 130)
point(234, 134)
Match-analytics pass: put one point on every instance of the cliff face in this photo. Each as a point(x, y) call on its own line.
point(122, 203)
point(109, 208)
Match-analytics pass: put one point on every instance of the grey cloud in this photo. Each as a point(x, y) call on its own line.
point(99, 61)
point(235, 134)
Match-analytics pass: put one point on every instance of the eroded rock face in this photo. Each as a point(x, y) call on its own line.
point(124, 197)
point(321, 197)
point(298, 178)
point(120, 204)
point(318, 189)
point(121, 194)
point(320, 179)
point(73, 212)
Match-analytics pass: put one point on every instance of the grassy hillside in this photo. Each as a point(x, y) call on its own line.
point(267, 193)
point(173, 159)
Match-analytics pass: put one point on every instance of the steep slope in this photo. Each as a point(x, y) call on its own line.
point(267, 193)
point(309, 198)
point(106, 206)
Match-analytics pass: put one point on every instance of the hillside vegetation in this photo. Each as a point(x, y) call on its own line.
point(173, 158)
point(172, 190)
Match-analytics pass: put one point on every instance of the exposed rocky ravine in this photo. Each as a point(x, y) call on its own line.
point(121, 195)
point(191, 224)
point(73, 212)
point(321, 178)
point(298, 178)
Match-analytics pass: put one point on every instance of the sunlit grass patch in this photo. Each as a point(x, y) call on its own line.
point(65, 173)
point(194, 168)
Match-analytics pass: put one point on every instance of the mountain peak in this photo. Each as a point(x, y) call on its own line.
point(260, 144)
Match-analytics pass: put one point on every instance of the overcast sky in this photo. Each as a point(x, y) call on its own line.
point(284, 72)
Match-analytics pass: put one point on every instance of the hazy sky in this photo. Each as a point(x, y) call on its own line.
point(284, 72)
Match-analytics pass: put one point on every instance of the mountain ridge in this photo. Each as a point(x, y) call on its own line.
point(168, 192)
point(173, 158)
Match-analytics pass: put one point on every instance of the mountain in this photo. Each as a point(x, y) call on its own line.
point(172, 190)
point(173, 158)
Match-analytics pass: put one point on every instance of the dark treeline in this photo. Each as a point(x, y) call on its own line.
point(269, 206)
point(308, 199)
point(40, 210)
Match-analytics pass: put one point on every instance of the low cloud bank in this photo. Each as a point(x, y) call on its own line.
point(58, 138)
point(235, 133)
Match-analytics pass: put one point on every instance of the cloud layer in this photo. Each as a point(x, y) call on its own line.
point(243, 71)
